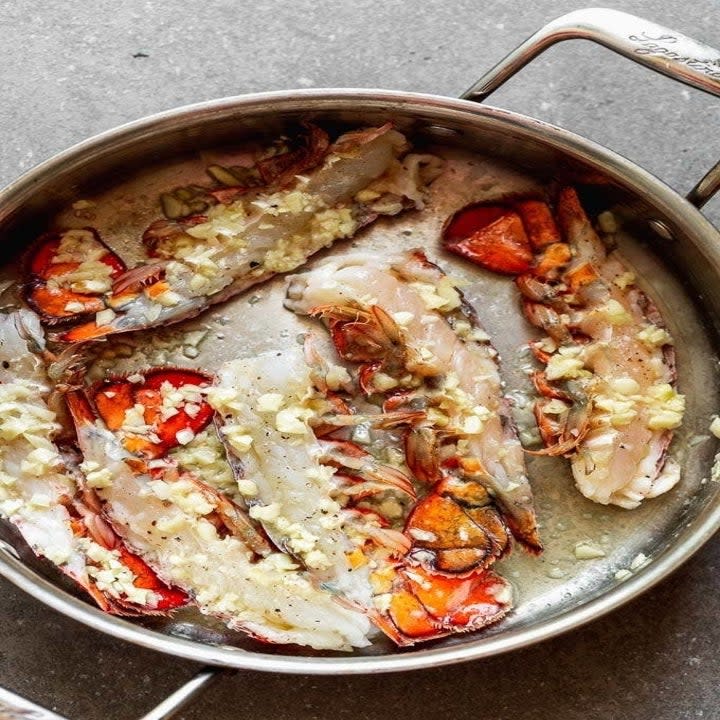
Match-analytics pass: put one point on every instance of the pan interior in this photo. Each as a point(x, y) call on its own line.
point(122, 192)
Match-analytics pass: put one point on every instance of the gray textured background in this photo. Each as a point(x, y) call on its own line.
point(67, 71)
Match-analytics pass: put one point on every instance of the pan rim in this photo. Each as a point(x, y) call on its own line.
point(620, 169)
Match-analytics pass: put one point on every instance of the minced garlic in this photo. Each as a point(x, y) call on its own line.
point(337, 377)
point(666, 407)
point(91, 276)
point(366, 195)
point(608, 222)
point(167, 298)
point(383, 382)
point(184, 494)
point(441, 296)
point(293, 202)
point(40, 461)
point(624, 279)
point(615, 312)
point(402, 317)
point(77, 246)
point(587, 550)
point(74, 307)
point(653, 336)
point(621, 411)
point(270, 402)
point(564, 364)
point(238, 437)
point(95, 475)
point(205, 457)
point(715, 426)
point(223, 221)
point(475, 420)
point(184, 436)
point(247, 488)
point(293, 420)
point(624, 385)
point(266, 513)
point(104, 317)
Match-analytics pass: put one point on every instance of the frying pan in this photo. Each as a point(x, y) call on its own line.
point(675, 250)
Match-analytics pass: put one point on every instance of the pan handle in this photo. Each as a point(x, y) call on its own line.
point(14, 707)
point(185, 694)
point(657, 47)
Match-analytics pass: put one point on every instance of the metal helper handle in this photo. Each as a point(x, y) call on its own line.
point(14, 707)
point(186, 693)
point(657, 47)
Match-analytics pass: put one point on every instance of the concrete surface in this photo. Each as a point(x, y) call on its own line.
point(71, 69)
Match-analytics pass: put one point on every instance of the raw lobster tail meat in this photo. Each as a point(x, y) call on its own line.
point(266, 410)
point(608, 398)
point(416, 345)
point(335, 506)
point(192, 535)
point(42, 491)
point(201, 259)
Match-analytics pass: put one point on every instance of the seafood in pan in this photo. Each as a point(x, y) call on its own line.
point(416, 345)
point(337, 507)
point(367, 482)
point(608, 397)
point(310, 589)
point(196, 537)
point(309, 196)
point(45, 491)
point(314, 546)
point(418, 359)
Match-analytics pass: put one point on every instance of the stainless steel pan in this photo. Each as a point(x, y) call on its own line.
point(673, 247)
